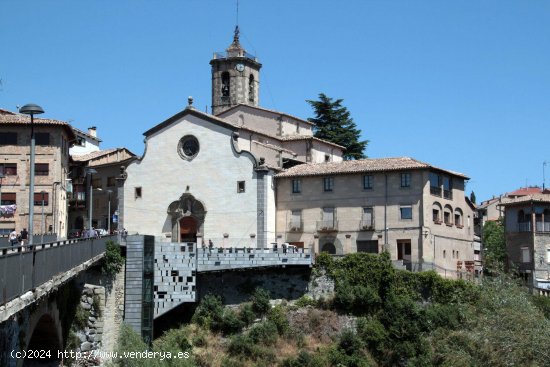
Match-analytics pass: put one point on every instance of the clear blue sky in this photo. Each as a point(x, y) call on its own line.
point(463, 85)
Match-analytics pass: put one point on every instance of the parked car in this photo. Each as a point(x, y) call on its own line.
point(74, 233)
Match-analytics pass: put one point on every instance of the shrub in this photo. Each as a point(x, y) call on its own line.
point(373, 333)
point(260, 301)
point(305, 301)
point(264, 333)
point(278, 317)
point(113, 260)
point(231, 323)
point(542, 303)
point(247, 314)
point(209, 313)
point(303, 359)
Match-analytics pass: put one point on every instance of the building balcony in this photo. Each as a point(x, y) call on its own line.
point(327, 225)
point(366, 225)
point(295, 226)
point(447, 194)
point(435, 191)
point(543, 226)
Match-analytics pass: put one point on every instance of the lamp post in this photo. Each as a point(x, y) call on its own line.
point(1, 177)
point(43, 226)
point(91, 172)
point(31, 109)
point(109, 192)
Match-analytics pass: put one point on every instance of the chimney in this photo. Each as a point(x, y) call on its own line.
point(92, 131)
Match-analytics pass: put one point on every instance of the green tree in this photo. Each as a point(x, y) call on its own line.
point(473, 197)
point(494, 243)
point(334, 123)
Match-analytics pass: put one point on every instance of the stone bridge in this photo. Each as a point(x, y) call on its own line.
point(29, 280)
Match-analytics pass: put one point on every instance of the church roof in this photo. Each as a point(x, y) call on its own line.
point(360, 166)
point(194, 112)
point(274, 112)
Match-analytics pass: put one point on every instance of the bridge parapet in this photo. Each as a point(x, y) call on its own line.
point(23, 269)
point(240, 258)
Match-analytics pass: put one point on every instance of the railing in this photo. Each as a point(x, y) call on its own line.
point(327, 225)
point(543, 226)
point(524, 227)
point(23, 269)
point(435, 191)
point(366, 225)
point(295, 226)
point(37, 238)
point(225, 55)
point(447, 194)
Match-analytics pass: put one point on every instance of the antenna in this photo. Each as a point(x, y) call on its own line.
point(543, 175)
point(237, 13)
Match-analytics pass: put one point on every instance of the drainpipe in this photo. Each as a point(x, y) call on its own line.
point(386, 211)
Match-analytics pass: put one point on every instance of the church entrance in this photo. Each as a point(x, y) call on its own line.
point(188, 229)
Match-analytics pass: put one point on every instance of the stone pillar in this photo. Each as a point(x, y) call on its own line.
point(316, 248)
point(347, 245)
point(261, 173)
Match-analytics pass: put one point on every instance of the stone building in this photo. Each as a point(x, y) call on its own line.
point(414, 210)
point(247, 176)
point(527, 229)
point(53, 140)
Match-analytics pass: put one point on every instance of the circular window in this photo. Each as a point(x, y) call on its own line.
point(188, 147)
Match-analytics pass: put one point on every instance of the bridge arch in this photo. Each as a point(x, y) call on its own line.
point(45, 330)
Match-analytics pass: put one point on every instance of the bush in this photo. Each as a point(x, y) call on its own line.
point(373, 334)
point(247, 314)
point(231, 323)
point(278, 317)
point(304, 359)
point(113, 260)
point(305, 301)
point(543, 304)
point(243, 345)
point(264, 333)
point(209, 313)
point(260, 301)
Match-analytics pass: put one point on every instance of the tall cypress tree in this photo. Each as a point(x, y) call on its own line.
point(333, 123)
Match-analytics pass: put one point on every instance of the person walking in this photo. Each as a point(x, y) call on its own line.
point(24, 236)
point(13, 238)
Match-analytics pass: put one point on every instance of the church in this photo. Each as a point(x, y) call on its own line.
point(246, 176)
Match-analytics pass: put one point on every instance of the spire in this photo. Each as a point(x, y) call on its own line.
point(235, 46)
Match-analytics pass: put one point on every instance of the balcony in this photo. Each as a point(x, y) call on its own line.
point(366, 225)
point(327, 226)
point(295, 226)
point(524, 227)
point(435, 191)
point(447, 194)
point(543, 226)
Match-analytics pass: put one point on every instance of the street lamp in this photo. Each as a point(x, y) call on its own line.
point(31, 109)
point(109, 192)
point(43, 225)
point(91, 172)
point(1, 177)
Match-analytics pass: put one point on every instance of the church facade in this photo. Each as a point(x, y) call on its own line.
point(246, 176)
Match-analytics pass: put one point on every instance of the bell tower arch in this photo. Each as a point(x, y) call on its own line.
point(235, 77)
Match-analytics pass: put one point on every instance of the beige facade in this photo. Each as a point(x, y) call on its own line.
point(53, 139)
point(369, 208)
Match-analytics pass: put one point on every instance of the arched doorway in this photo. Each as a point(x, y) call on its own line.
point(329, 247)
point(44, 338)
point(188, 229)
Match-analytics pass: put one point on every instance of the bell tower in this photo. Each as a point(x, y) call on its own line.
point(235, 77)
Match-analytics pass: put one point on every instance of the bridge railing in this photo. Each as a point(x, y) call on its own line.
point(23, 269)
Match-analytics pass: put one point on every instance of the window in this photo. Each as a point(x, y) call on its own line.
point(525, 258)
point(447, 187)
point(80, 141)
point(406, 179)
point(225, 87)
point(327, 158)
point(436, 216)
point(406, 212)
point(548, 255)
point(296, 186)
point(41, 169)
point(188, 147)
point(435, 184)
point(111, 181)
point(8, 198)
point(240, 186)
point(368, 182)
point(458, 218)
point(328, 183)
point(369, 246)
point(296, 220)
point(328, 218)
point(39, 196)
point(251, 93)
point(444, 253)
point(137, 192)
point(8, 138)
point(367, 221)
point(96, 183)
point(42, 138)
point(9, 169)
point(447, 218)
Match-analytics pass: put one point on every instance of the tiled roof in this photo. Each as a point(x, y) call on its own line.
point(307, 137)
point(267, 110)
point(92, 155)
point(525, 191)
point(360, 166)
point(540, 198)
point(11, 118)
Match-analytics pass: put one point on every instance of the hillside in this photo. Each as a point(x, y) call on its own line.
point(378, 316)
